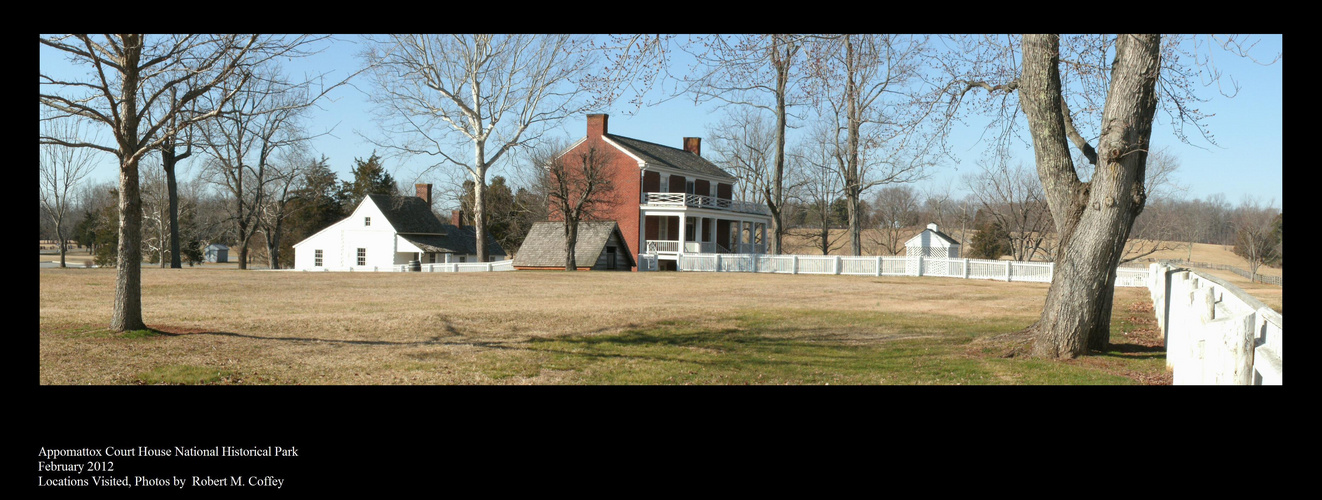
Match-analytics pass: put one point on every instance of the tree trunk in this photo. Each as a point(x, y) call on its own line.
point(59, 239)
point(778, 179)
point(1092, 219)
point(273, 246)
point(127, 314)
point(571, 240)
point(479, 213)
point(243, 242)
point(853, 176)
point(169, 160)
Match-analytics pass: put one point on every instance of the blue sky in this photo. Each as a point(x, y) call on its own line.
point(1246, 161)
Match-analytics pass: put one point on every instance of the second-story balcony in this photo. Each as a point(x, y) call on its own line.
point(703, 201)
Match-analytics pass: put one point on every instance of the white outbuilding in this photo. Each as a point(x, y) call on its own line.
point(932, 243)
point(387, 231)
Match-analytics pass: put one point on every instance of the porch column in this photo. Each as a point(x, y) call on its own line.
point(697, 233)
point(711, 232)
point(682, 222)
point(665, 183)
point(738, 226)
point(763, 226)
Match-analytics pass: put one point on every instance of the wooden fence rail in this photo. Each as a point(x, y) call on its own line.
point(1216, 334)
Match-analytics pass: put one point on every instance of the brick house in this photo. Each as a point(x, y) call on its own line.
point(666, 196)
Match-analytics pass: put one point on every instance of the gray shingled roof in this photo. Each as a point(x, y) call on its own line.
point(455, 240)
point(408, 214)
point(545, 244)
point(413, 219)
point(666, 156)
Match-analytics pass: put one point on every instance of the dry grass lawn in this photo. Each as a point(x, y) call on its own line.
point(262, 327)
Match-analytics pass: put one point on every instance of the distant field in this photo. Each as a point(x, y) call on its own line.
point(232, 327)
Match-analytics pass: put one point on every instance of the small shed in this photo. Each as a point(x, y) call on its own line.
point(600, 247)
point(932, 243)
point(218, 253)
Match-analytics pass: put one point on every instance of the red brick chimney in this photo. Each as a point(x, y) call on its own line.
point(457, 218)
point(693, 145)
point(424, 192)
point(597, 124)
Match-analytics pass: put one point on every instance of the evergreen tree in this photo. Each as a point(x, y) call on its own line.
point(503, 212)
point(991, 242)
point(106, 237)
point(369, 177)
point(318, 203)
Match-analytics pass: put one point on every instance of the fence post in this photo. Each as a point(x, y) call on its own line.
point(1237, 336)
point(754, 258)
point(1007, 270)
point(919, 270)
point(794, 266)
point(878, 265)
point(836, 265)
point(966, 269)
point(488, 267)
point(718, 263)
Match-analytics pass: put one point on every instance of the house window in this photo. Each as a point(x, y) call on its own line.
point(463, 258)
point(316, 258)
point(431, 257)
point(688, 187)
point(362, 256)
point(367, 221)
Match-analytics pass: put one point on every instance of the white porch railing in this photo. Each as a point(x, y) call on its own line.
point(672, 246)
point(1003, 270)
point(703, 201)
point(661, 246)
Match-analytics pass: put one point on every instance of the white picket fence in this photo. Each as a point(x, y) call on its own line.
point(448, 267)
point(1004, 270)
point(1216, 334)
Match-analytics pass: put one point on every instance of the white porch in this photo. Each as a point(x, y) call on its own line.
point(671, 232)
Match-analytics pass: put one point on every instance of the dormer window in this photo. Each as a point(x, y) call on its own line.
point(367, 221)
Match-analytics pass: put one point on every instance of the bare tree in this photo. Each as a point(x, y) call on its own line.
point(117, 91)
point(155, 213)
point(1014, 198)
point(579, 186)
point(939, 206)
point(895, 213)
point(873, 85)
point(260, 121)
point(437, 94)
point(762, 72)
point(286, 182)
point(62, 169)
point(745, 144)
point(1256, 235)
point(820, 188)
point(1110, 86)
